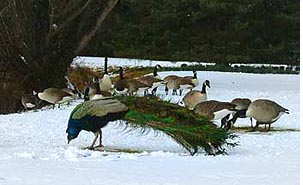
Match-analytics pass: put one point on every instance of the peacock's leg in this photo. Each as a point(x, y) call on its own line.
point(94, 141)
point(100, 139)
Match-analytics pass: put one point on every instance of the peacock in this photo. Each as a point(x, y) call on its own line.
point(185, 127)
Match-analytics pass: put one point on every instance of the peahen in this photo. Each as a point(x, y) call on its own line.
point(189, 130)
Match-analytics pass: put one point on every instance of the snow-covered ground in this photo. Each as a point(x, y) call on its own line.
point(97, 62)
point(34, 150)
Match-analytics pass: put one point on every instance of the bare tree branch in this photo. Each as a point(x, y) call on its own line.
point(38, 40)
point(70, 19)
point(85, 40)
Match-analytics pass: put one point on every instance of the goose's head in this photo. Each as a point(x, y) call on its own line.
point(207, 83)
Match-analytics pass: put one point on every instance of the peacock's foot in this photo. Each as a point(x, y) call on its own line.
point(100, 146)
point(89, 148)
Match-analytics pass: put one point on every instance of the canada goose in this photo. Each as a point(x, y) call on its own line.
point(241, 108)
point(155, 74)
point(93, 92)
point(214, 110)
point(152, 81)
point(176, 82)
point(134, 86)
point(55, 96)
point(105, 82)
point(128, 86)
point(120, 86)
point(192, 98)
point(73, 93)
point(265, 112)
point(194, 82)
point(171, 82)
point(29, 101)
point(69, 91)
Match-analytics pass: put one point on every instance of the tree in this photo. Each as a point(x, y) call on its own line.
point(220, 31)
point(40, 38)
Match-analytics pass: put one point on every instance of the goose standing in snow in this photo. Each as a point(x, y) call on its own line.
point(152, 81)
point(265, 112)
point(55, 96)
point(214, 110)
point(190, 83)
point(128, 86)
point(93, 92)
point(241, 108)
point(105, 82)
point(29, 101)
point(192, 98)
point(171, 82)
point(177, 82)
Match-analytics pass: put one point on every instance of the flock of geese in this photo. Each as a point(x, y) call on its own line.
point(262, 110)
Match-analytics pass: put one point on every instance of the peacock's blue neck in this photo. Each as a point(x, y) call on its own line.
point(74, 127)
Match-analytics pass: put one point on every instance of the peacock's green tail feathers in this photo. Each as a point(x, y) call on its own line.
point(184, 126)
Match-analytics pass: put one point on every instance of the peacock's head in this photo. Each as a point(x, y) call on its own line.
point(70, 137)
point(72, 131)
point(71, 134)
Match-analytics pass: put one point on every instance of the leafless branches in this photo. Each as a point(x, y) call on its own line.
point(40, 38)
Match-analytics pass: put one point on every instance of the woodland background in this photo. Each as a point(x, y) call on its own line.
point(39, 39)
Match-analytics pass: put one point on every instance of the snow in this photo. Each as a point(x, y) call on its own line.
point(34, 150)
point(97, 62)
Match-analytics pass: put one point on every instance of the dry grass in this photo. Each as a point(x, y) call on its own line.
point(262, 129)
point(82, 76)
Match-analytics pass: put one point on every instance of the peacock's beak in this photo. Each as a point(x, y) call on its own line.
point(69, 139)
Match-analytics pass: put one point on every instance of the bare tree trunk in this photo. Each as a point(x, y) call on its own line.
point(40, 38)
